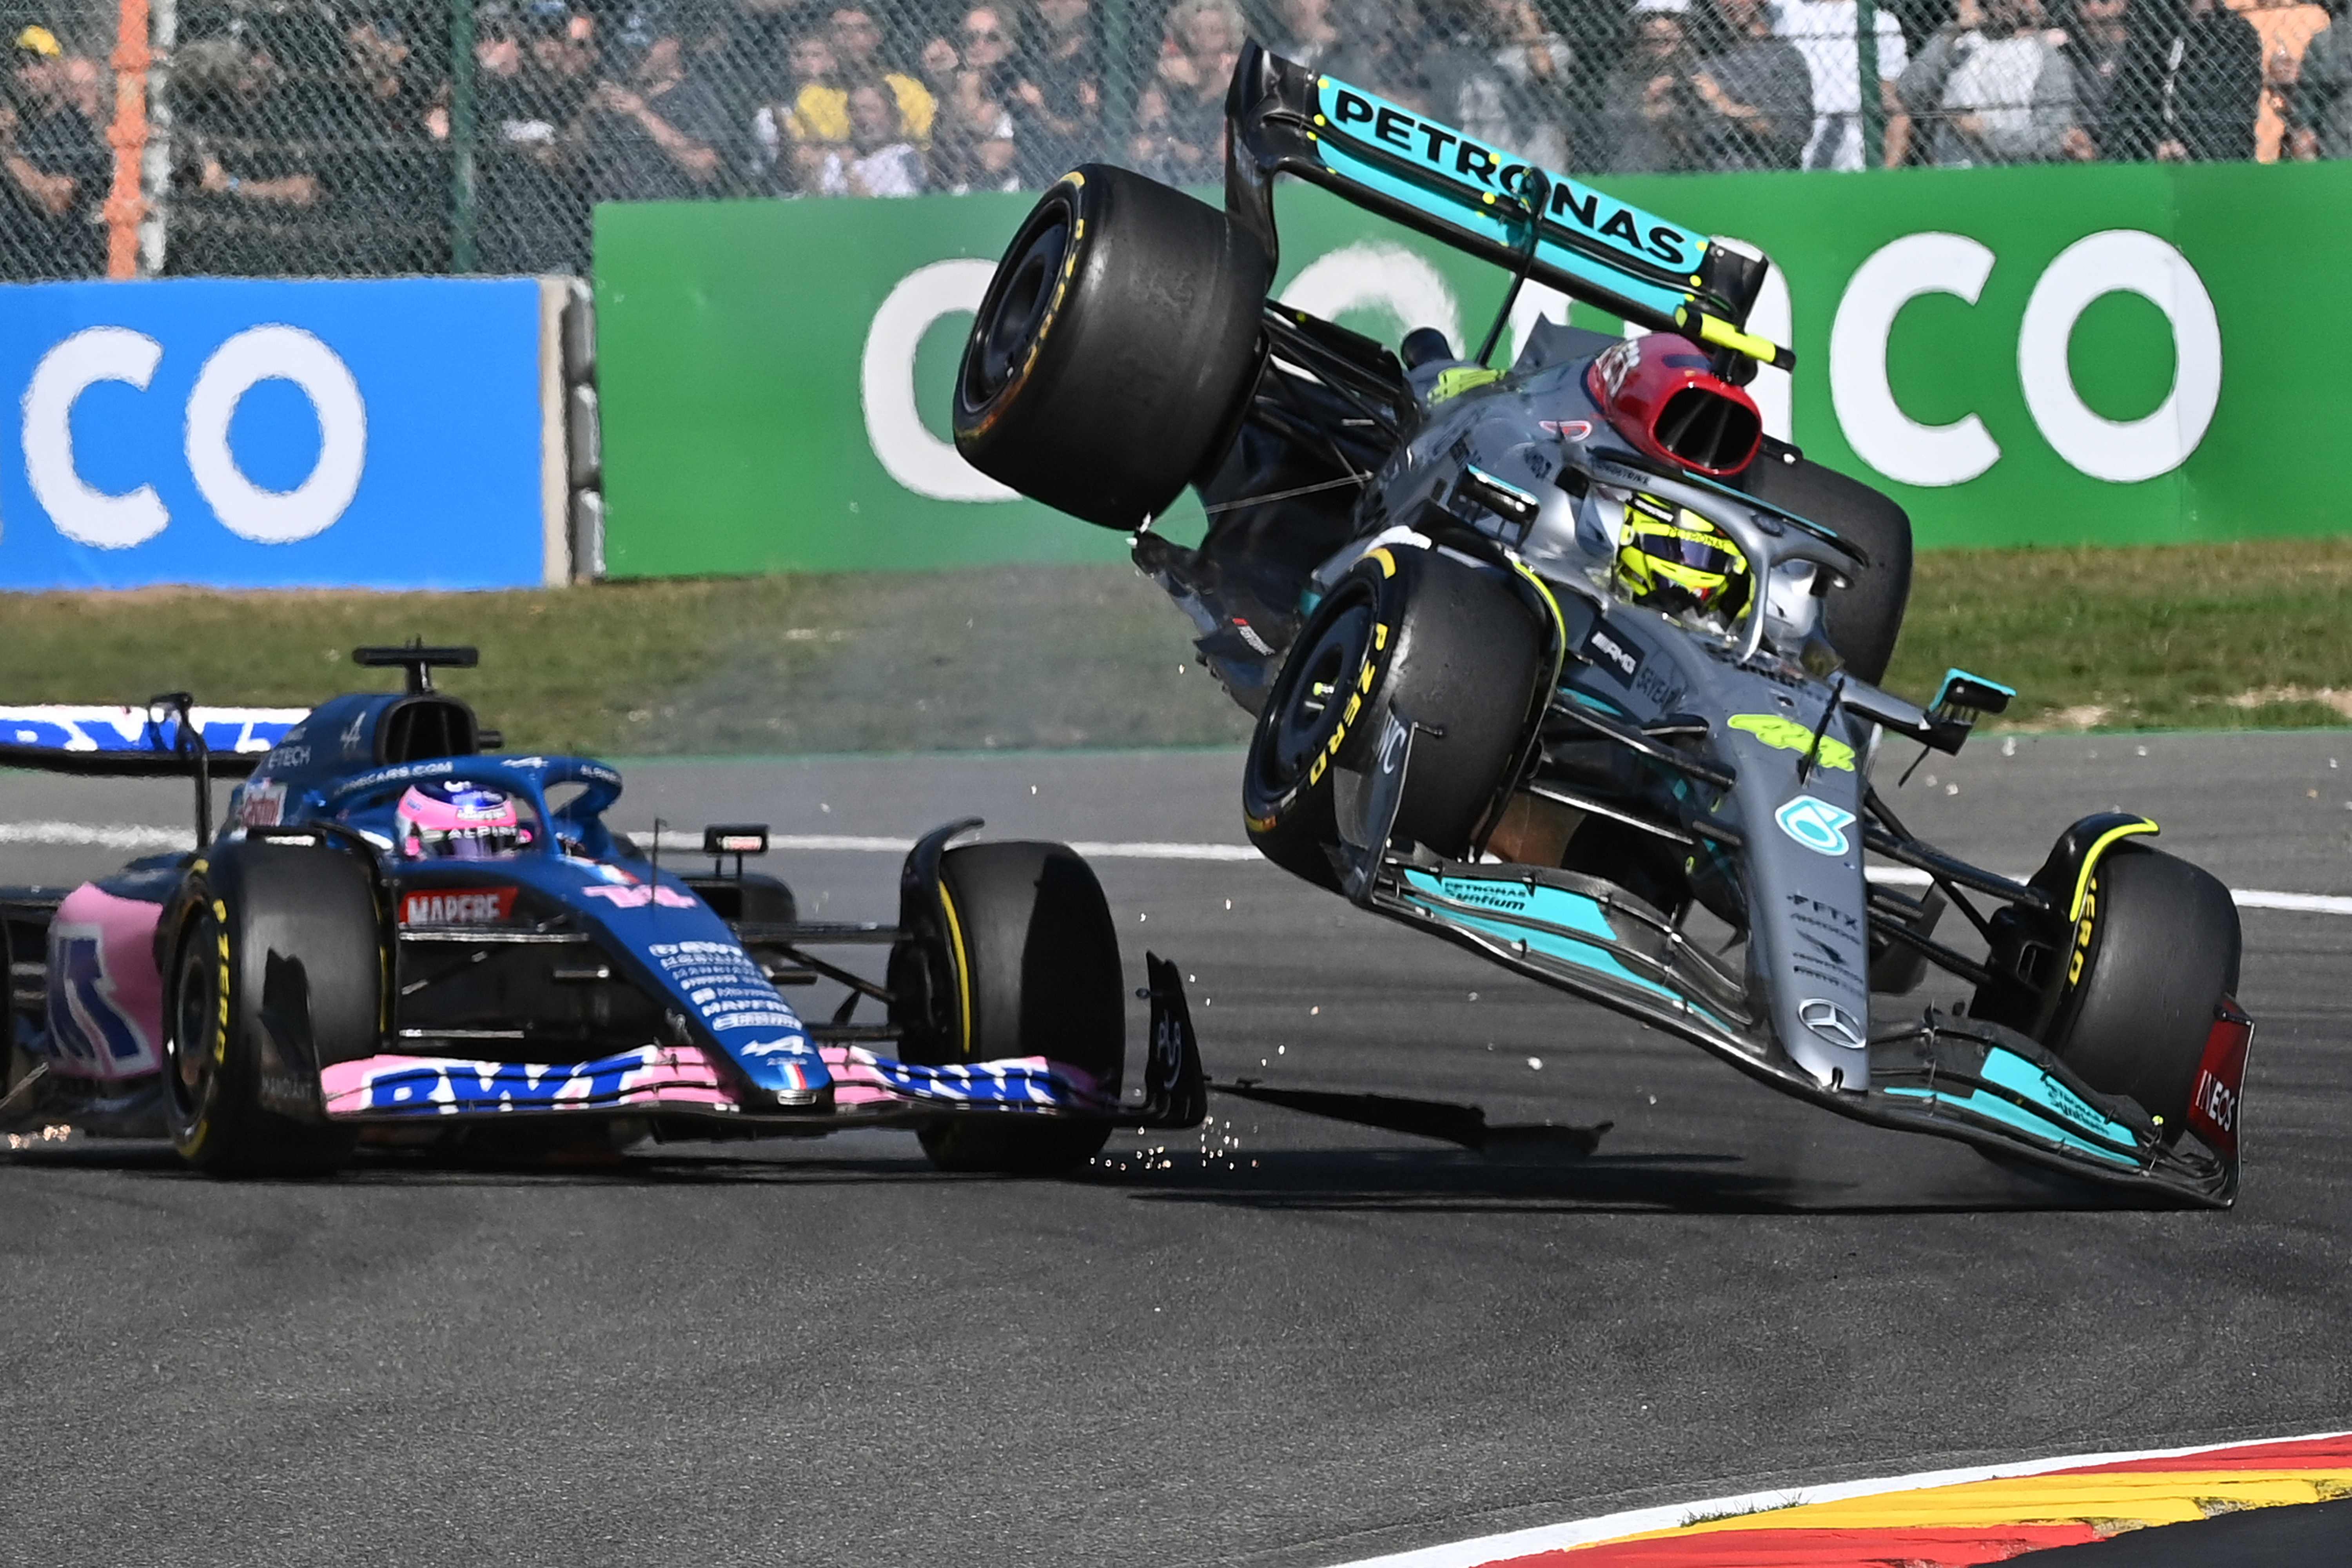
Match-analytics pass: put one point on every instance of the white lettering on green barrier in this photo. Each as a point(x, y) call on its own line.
point(2114, 261)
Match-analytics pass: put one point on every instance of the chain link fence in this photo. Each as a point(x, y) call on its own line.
point(347, 138)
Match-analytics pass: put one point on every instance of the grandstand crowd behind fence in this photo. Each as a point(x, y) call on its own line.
point(373, 137)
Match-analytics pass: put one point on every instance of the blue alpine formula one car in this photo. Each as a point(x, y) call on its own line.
point(396, 939)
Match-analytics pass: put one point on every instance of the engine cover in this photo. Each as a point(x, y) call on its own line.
point(1660, 393)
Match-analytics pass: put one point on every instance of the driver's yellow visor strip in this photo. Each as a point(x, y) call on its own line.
point(1974, 1522)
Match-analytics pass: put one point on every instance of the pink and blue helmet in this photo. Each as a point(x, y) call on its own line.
point(452, 819)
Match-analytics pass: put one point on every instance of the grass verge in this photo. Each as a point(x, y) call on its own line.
point(1030, 657)
point(2182, 636)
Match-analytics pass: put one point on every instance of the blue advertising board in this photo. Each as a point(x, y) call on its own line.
point(262, 434)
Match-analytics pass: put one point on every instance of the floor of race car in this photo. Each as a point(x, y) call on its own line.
point(1283, 1342)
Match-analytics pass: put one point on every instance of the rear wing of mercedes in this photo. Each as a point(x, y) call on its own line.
point(1285, 118)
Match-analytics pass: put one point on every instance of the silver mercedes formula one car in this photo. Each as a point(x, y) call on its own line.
point(1547, 658)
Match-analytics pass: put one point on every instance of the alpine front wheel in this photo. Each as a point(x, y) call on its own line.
point(1031, 970)
point(278, 966)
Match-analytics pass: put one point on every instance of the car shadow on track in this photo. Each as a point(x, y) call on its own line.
point(372, 1168)
point(1524, 1178)
point(1454, 1182)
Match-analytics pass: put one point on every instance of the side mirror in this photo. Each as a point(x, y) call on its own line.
point(1969, 696)
point(736, 838)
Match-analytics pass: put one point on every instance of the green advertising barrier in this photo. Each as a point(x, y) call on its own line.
point(2038, 355)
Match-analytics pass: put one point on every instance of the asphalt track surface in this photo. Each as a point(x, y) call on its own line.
point(1312, 1346)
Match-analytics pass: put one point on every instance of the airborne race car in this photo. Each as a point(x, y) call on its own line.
point(1543, 659)
point(396, 940)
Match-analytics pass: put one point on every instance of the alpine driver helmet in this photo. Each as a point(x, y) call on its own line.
point(1672, 559)
point(452, 819)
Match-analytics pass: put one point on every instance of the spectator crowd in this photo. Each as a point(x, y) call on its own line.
point(333, 137)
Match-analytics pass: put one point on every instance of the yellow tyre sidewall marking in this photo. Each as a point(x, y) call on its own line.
point(961, 963)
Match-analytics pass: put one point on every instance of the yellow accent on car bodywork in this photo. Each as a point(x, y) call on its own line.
point(1719, 334)
point(1461, 379)
point(1785, 734)
point(1558, 622)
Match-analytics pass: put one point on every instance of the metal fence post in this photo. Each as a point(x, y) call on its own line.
point(461, 135)
point(128, 136)
point(1120, 86)
point(1873, 108)
point(156, 155)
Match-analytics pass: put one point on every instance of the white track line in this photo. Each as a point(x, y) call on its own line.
point(2244, 898)
point(118, 836)
point(853, 844)
point(1488, 1549)
point(132, 836)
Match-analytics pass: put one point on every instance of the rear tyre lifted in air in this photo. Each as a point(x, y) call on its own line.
point(1111, 360)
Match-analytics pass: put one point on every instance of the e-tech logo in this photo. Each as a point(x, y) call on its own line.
point(1815, 824)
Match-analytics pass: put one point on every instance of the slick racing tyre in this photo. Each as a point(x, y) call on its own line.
point(1862, 620)
point(277, 965)
point(1408, 630)
point(2126, 993)
point(2154, 952)
point(1112, 357)
point(1032, 970)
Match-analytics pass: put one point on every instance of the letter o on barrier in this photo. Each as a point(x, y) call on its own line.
point(904, 445)
point(82, 513)
point(244, 508)
point(1875, 426)
point(1376, 275)
point(2120, 260)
